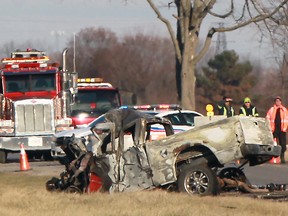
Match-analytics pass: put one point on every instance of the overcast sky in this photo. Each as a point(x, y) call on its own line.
point(53, 22)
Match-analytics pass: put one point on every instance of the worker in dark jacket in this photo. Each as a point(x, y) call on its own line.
point(248, 109)
point(225, 107)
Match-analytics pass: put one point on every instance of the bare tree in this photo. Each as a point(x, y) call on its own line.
point(190, 16)
point(278, 38)
point(142, 64)
point(136, 63)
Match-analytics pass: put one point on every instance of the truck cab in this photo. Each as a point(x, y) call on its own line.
point(35, 94)
point(94, 98)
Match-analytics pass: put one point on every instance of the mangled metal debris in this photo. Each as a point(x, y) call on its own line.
point(126, 159)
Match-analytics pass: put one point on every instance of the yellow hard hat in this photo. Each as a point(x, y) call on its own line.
point(247, 99)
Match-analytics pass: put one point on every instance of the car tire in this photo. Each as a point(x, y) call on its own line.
point(73, 189)
point(198, 179)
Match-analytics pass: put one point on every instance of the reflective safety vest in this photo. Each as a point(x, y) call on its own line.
point(271, 114)
point(254, 112)
point(223, 111)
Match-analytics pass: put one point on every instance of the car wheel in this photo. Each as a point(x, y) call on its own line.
point(233, 173)
point(198, 179)
point(73, 189)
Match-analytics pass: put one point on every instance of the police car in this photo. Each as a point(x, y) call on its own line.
point(181, 120)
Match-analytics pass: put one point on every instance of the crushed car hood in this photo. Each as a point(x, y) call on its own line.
point(80, 132)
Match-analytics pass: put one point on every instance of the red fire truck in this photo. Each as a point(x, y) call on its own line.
point(94, 98)
point(35, 96)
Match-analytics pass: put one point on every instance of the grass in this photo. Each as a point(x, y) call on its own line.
point(22, 194)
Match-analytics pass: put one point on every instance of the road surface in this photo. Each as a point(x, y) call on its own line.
point(37, 167)
point(267, 173)
point(257, 175)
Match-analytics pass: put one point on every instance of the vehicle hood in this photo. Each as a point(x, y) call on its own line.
point(79, 132)
point(16, 96)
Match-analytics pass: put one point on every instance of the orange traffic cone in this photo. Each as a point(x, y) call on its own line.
point(275, 160)
point(24, 164)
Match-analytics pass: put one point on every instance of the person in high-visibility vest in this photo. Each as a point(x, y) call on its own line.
point(225, 107)
point(277, 115)
point(248, 109)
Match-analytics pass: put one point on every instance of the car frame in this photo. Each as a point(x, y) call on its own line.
point(157, 129)
point(185, 161)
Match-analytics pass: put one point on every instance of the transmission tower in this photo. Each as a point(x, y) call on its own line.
point(221, 43)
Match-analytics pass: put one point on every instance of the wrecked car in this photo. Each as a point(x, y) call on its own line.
point(181, 120)
point(185, 162)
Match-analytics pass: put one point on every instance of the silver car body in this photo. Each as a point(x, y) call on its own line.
point(148, 164)
point(157, 131)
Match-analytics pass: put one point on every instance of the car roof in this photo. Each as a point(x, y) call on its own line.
point(162, 113)
point(127, 116)
point(160, 109)
point(155, 112)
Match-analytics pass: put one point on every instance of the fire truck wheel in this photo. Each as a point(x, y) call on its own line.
point(3, 156)
point(30, 155)
point(47, 156)
point(38, 155)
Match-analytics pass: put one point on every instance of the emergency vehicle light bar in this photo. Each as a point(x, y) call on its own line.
point(27, 53)
point(90, 80)
point(25, 60)
point(27, 56)
point(154, 107)
point(102, 85)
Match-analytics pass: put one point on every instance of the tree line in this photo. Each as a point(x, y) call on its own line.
point(145, 65)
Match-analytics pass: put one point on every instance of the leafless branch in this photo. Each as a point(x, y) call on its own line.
point(223, 15)
point(243, 12)
point(206, 46)
point(169, 27)
point(256, 19)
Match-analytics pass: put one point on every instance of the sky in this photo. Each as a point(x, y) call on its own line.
point(52, 23)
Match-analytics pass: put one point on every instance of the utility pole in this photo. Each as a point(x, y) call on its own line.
point(284, 75)
point(221, 43)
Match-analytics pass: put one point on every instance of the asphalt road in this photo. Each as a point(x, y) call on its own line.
point(37, 167)
point(257, 175)
point(267, 173)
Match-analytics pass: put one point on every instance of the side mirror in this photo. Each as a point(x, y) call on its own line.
point(74, 77)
